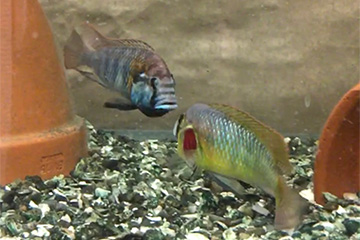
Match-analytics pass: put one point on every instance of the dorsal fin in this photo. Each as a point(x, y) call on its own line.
point(268, 136)
point(95, 40)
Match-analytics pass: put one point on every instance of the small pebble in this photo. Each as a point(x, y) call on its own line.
point(229, 234)
point(196, 236)
point(102, 193)
point(351, 225)
point(351, 196)
point(138, 190)
point(257, 207)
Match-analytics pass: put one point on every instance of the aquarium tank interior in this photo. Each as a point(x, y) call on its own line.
point(196, 120)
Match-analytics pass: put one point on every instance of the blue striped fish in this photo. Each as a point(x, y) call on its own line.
point(233, 145)
point(128, 66)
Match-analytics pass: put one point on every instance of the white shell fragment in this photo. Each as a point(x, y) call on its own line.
point(308, 194)
point(44, 209)
point(41, 231)
point(229, 234)
point(259, 207)
point(66, 218)
point(350, 196)
point(196, 236)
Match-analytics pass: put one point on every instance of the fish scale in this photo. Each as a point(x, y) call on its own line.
point(234, 145)
point(114, 65)
point(116, 73)
point(113, 69)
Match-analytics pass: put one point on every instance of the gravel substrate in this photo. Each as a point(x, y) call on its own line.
point(131, 189)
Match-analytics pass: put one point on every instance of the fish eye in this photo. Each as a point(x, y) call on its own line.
point(140, 78)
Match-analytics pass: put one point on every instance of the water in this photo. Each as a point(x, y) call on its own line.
point(258, 57)
point(285, 65)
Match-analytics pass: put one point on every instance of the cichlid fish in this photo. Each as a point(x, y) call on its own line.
point(128, 66)
point(230, 143)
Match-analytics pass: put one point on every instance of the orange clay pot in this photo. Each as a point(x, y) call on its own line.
point(39, 134)
point(337, 164)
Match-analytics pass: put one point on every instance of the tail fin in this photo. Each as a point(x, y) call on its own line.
point(73, 50)
point(290, 207)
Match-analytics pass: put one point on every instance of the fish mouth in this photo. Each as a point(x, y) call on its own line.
point(161, 104)
point(164, 95)
point(166, 104)
point(165, 100)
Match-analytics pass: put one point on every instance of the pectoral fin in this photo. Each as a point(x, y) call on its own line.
point(230, 184)
point(120, 103)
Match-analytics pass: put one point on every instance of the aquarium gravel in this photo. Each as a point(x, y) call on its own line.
point(129, 189)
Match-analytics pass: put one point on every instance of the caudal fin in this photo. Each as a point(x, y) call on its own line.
point(73, 50)
point(290, 207)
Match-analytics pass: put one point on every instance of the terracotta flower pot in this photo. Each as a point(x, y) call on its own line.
point(337, 164)
point(39, 133)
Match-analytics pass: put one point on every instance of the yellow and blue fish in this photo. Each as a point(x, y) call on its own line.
point(128, 66)
point(232, 144)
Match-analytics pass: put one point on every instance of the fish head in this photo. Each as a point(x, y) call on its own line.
point(187, 139)
point(153, 91)
point(163, 83)
point(190, 120)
